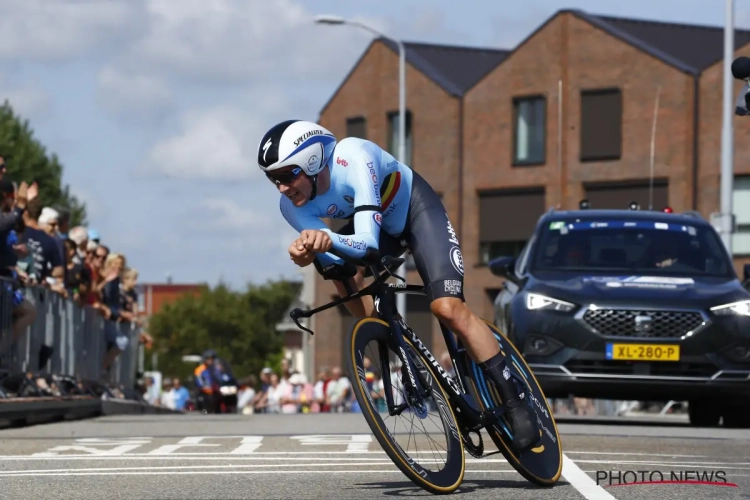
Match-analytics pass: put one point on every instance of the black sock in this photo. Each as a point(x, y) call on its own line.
point(497, 370)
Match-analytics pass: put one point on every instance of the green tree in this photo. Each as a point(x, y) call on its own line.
point(240, 326)
point(27, 160)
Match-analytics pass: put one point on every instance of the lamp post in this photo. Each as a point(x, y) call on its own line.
point(727, 132)
point(336, 20)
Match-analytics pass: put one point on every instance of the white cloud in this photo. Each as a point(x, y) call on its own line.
point(212, 144)
point(133, 96)
point(238, 41)
point(54, 30)
point(229, 215)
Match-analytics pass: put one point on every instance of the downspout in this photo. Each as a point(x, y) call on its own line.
point(460, 217)
point(696, 136)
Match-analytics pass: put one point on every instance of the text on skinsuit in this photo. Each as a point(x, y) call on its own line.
point(356, 245)
point(375, 184)
point(453, 238)
point(453, 287)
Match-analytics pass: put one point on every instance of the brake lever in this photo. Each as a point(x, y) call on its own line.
point(299, 313)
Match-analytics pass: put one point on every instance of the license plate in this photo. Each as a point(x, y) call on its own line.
point(644, 352)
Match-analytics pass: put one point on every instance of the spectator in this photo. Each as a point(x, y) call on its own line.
point(260, 401)
point(13, 206)
point(77, 277)
point(63, 222)
point(338, 392)
point(181, 394)
point(80, 237)
point(45, 262)
point(321, 388)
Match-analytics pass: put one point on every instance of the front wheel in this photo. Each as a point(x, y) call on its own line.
point(372, 362)
point(541, 465)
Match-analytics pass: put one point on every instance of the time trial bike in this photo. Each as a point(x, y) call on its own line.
point(400, 377)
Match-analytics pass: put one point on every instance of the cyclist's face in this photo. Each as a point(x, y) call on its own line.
point(293, 184)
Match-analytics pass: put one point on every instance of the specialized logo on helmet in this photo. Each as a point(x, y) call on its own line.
point(307, 135)
point(265, 148)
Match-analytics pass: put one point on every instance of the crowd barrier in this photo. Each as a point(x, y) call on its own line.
point(62, 354)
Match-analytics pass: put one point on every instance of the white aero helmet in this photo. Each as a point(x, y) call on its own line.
point(296, 143)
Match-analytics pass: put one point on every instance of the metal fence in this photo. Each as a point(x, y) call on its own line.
point(65, 339)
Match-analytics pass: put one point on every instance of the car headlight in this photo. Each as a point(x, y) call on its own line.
point(228, 390)
point(741, 308)
point(534, 301)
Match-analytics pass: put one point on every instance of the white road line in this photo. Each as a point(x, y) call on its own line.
point(582, 482)
point(235, 472)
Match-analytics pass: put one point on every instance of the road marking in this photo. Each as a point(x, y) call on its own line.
point(236, 472)
point(355, 442)
point(582, 482)
point(248, 444)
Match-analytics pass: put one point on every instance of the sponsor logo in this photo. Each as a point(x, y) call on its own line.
point(427, 354)
point(332, 209)
point(341, 162)
point(453, 239)
point(349, 199)
point(457, 260)
point(341, 213)
point(266, 146)
point(390, 210)
point(377, 218)
point(356, 245)
point(312, 162)
point(453, 287)
point(306, 136)
point(374, 182)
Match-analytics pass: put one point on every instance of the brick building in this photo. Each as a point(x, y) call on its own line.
point(504, 135)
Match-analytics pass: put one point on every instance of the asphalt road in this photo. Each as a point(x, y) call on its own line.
point(335, 457)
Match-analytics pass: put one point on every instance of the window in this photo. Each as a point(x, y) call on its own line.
point(741, 209)
point(356, 127)
point(393, 135)
point(528, 130)
point(601, 125)
point(507, 220)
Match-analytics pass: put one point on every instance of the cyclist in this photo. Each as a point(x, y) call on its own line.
point(391, 209)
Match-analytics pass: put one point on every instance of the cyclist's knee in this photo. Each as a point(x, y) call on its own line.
point(451, 311)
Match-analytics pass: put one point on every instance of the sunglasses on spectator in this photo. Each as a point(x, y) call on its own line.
point(286, 177)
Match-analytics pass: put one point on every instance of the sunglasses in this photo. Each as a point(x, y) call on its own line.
point(286, 177)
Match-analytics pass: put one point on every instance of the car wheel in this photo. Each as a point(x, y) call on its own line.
point(703, 413)
point(735, 415)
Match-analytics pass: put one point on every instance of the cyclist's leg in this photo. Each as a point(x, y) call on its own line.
point(364, 306)
point(437, 255)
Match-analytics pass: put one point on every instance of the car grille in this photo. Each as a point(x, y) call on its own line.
point(643, 324)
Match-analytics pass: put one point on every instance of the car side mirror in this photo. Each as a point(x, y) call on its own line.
point(503, 267)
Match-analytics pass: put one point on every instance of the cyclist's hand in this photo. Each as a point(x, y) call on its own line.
point(316, 241)
point(299, 254)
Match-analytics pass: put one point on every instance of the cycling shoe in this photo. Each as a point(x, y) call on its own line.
point(523, 427)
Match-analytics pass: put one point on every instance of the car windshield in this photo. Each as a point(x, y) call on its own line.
point(632, 247)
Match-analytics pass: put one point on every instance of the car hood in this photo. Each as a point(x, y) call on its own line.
point(641, 289)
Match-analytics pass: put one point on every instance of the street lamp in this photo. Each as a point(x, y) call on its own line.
point(727, 132)
point(336, 20)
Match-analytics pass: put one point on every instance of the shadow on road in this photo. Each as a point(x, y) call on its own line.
point(407, 488)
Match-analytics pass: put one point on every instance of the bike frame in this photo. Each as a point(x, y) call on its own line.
point(469, 414)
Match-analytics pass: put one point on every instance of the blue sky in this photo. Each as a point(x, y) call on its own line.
point(155, 107)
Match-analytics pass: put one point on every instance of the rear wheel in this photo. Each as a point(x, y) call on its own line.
point(371, 357)
point(541, 465)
